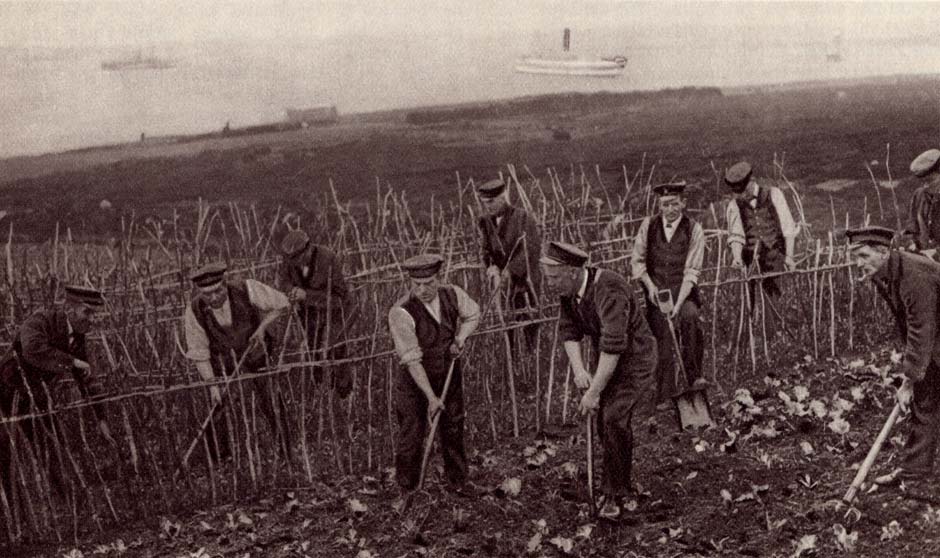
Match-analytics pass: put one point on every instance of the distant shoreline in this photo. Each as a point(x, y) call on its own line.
point(398, 114)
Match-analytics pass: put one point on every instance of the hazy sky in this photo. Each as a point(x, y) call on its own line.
point(120, 23)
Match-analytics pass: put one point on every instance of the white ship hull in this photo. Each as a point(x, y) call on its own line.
point(591, 67)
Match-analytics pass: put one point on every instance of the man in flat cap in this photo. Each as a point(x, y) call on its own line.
point(924, 223)
point(226, 334)
point(759, 224)
point(312, 276)
point(667, 256)
point(601, 305)
point(49, 347)
point(511, 243)
point(429, 327)
point(910, 285)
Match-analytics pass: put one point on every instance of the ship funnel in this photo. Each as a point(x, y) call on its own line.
point(566, 42)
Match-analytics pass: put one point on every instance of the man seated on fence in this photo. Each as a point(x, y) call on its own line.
point(760, 226)
point(601, 305)
point(924, 224)
point(49, 346)
point(429, 328)
point(910, 285)
point(667, 256)
point(511, 244)
point(312, 276)
point(226, 335)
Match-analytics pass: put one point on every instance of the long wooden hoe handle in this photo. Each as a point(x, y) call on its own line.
point(872, 454)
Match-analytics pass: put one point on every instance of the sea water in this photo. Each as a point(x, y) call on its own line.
point(60, 99)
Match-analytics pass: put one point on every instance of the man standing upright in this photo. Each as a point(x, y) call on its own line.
point(910, 285)
point(924, 223)
point(602, 305)
point(226, 333)
point(49, 347)
point(511, 245)
point(312, 275)
point(760, 226)
point(429, 327)
point(667, 256)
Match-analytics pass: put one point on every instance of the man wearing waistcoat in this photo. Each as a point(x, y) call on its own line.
point(511, 244)
point(429, 327)
point(910, 285)
point(924, 222)
point(760, 226)
point(601, 305)
point(226, 333)
point(312, 276)
point(49, 346)
point(667, 255)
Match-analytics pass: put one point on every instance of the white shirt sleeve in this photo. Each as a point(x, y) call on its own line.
point(638, 260)
point(469, 312)
point(404, 337)
point(735, 227)
point(787, 226)
point(264, 298)
point(197, 342)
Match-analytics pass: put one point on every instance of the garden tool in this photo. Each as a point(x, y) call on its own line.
point(589, 421)
point(692, 406)
point(872, 454)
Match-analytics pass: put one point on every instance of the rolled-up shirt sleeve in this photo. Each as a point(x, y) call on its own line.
point(469, 312)
point(402, 327)
point(788, 227)
point(197, 342)
point(735, 227)
point(638, 260)
point(693, 260)
point(264, 298)
point(613, 309)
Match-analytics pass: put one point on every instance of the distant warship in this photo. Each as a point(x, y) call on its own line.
point(138, 62)
point(567, 64)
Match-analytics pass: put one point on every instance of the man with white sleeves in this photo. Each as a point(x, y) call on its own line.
point(429, 327)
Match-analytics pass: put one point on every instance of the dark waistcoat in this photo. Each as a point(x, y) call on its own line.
point(761, 224)
point(665, 261)
point(224, 340)
point(435, 338)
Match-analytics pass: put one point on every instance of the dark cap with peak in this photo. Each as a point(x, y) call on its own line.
point(209, 275)
point(562, 253)
point(84, 295)
point(294, 243)
point(926, 162)
point(423, 266)
point(670, 188)
point(874, 236)
point(491, 188)
point(738, 176)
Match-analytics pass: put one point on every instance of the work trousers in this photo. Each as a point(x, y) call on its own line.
point(411, 409)
point(690, 337)
point(615, 431)
point(918, 455)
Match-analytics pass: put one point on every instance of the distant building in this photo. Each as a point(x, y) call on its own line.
point(325, 114)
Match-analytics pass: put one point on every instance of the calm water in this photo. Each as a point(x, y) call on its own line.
point(56, 100)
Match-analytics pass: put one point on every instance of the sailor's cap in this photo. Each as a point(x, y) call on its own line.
point(926, 162)
point(670, 188)
point(209, 275)
point(294, 243)
point(738, 176)
point(491, 188)
point(562, 253)
point(873, 236)
point(84, 295)
point(423, 266)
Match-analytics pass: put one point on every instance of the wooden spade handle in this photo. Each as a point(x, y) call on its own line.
point(872, 454)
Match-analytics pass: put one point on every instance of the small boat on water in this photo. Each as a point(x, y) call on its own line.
point(138, 62)
point(571, 65)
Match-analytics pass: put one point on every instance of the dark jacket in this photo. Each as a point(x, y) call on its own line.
point(516, 229)
point(910, 284)
point(924, 217)
point(611, 315)
point(761, 225)
point(325, 287)
point(43, 345)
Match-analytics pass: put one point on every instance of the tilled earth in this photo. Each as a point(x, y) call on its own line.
point(767, 482)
